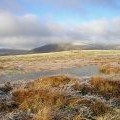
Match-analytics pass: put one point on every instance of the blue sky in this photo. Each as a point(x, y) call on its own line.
point(65, 10)
point(27, 24)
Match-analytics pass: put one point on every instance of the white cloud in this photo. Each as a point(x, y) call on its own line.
point(28, 31)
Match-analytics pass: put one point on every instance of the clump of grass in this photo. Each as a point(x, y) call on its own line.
point(105, 86)
point(97, 107)
point(54, 81)
point(44, 114)
point(108, 69)
point(36, 99)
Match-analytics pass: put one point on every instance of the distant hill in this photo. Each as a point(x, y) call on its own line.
point(102, 47)
point(60, 47)
point(12, 52)
point(69, 46)
point(55, 48)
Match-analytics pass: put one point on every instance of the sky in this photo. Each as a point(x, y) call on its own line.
point(26, 24)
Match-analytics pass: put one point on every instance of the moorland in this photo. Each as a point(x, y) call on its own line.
point(61, 96)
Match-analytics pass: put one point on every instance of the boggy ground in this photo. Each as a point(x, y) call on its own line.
point(57, 60)
point(62, 98)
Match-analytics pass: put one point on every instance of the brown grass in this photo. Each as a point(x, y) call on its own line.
point(105, 87)
point(78, 117)
point(97, 107)
point(108, 69)
point(54, 81)
point(41, 98)
point(47, 61)
point(36, 99)
point(112, 115)
point(44, 114)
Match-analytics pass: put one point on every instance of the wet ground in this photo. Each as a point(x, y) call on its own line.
point(85, 71)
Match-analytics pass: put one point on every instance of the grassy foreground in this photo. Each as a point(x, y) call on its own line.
point(65, 98)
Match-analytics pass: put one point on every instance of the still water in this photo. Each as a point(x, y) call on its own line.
point(89, 70)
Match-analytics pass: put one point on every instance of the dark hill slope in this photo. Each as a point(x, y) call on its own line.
point(12, 52)
point(64, 47)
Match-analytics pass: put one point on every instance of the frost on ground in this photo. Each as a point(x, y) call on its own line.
point(61, 98)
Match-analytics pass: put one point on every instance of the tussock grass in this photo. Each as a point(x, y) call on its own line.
point(108, 69)
point(51, 82)
point(36, 99)
point(97, 107)
point(40, 98)
point(44, 98)
point(105, 87)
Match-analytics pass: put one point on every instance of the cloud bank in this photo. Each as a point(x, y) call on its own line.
point(28, 31)
point(21, 25)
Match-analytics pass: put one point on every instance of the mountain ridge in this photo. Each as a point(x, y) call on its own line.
point(5, 51)
point(69, 46)
point(57, 47)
